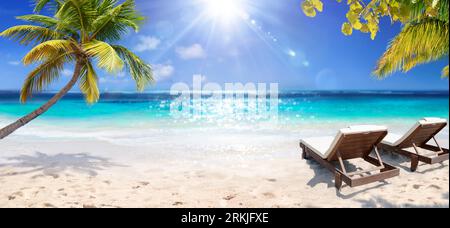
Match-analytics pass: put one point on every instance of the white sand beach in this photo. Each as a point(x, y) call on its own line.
point(203, 104)
point(195, 168)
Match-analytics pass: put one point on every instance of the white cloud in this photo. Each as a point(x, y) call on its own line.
point(14, 63)
point(162, 71)
point(147, 43)
point(66, 73)
point(195, 51)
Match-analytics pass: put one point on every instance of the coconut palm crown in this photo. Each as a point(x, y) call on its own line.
point(82, 33)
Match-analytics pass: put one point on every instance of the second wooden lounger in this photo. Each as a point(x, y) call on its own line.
point(350, 143)
point(414, 144)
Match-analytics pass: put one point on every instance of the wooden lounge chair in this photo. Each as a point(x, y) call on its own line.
point(350, 143)
point(414, 144)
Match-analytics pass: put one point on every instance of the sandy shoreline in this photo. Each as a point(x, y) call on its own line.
point(100, 174)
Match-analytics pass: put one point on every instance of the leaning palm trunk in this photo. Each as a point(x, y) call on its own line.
point(44, 108)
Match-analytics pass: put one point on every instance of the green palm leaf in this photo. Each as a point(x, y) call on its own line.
point(26, 34)
point(40, 4)
point(42, 20)
point(423, 9)
point(112, 23)
point(140, 71)
point(78, 14)
point(51, 23)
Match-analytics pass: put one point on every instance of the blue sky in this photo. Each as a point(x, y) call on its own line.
point(267, 41)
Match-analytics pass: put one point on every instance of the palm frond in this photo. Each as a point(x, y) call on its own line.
point(43, 75)
point(42, 20)
point(89, 83)
point(78, 14)
point(48, 50)
point(419, 9)
point(113, 22)
point(50, 23)
point(40, 4)
point(445, 72)
point(140, 71)
point(106, 5)
point(416, 44)
point(443, 14)
point(106, 56)
point(26, 34)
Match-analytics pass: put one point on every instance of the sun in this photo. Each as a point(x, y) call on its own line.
point(224, 11)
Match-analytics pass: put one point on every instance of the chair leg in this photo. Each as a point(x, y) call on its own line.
point(439, 146)
point(414, 162)
point(305, 155)
point(338, 181)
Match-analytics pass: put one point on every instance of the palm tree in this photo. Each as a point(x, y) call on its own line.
point(80, 33)
point(424, 38)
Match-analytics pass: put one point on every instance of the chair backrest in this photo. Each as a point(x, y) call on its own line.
point(357, 141)
point(422, 132)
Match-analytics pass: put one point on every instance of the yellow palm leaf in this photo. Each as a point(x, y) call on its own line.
point(107, 58)
point(418, 43)
point(445, 72)
point(47, 50)
point(43, 76)
point(88, 83)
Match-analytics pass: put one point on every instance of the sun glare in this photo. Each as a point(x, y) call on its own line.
point(224, 11)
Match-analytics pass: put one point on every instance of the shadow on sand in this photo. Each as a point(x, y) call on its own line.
point(378, 202)
point(322, 175)
point(404, 163)
point(53, 165)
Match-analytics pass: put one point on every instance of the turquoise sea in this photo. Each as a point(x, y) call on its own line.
point(294, 106)
point(129, 119)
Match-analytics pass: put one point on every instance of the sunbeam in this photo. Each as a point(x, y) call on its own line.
point(224, 12)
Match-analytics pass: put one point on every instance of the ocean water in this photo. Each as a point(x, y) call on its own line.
point(293, 106)
point(145, 119)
